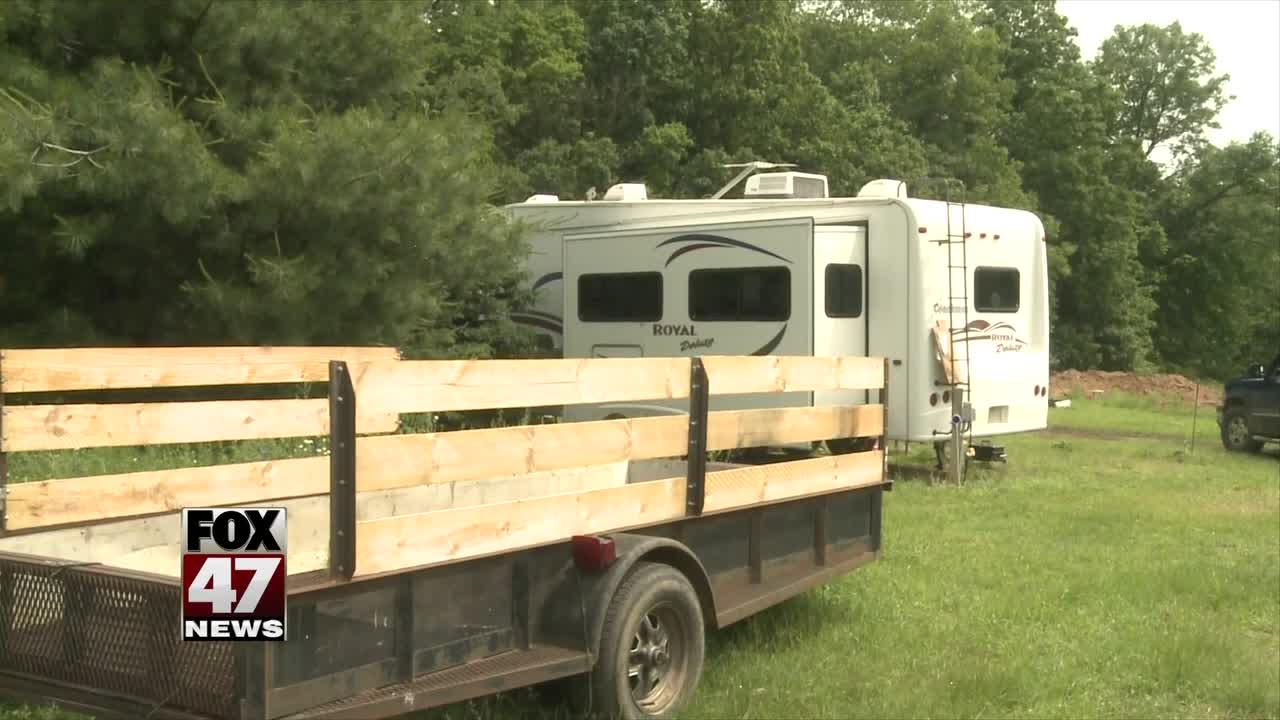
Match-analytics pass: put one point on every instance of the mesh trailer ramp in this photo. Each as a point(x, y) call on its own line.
point(424, 568)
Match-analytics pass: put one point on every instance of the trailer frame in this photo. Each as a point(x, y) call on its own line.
point(104, 639)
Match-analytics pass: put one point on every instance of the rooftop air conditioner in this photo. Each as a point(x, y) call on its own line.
point(786, 185)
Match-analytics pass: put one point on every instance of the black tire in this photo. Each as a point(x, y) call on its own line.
point(655, 620)
point(845, 446)
point(1235, 432)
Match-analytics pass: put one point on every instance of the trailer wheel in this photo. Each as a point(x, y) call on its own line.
point(652, 646)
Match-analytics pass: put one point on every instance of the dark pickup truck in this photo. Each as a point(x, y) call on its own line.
point(1249, 415)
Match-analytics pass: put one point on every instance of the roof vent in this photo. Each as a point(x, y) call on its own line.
point(542, 199)
point(884, 188)
point(786, 185)
point(627, 192)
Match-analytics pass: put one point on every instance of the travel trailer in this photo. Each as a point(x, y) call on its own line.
point(954, 295)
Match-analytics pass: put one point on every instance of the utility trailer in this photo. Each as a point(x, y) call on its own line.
point(424, 568)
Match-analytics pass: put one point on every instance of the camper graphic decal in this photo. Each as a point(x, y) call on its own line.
point(1002, 334)
point(540, 320)
point(772, 344)
point(547, 280)
point(699, 241)
point(702, 344)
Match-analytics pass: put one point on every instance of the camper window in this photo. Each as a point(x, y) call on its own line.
point(620, 297)
point(996, 290)
point(742, 294)
point(844, 291)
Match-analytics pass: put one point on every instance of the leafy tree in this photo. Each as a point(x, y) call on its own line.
point(1166, 89)
point(1218, 306)
point(210, 172)
point(939, 73)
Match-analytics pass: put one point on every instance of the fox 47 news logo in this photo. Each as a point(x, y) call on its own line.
point(233, 573)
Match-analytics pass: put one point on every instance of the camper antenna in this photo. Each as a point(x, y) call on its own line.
point(748, 168)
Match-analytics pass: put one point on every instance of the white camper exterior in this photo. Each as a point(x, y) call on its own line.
point(631, 277)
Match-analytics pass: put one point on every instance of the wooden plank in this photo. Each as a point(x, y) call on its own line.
point(427, 538)
point(103, 497)
point(741, 487)
point(66, 427)
point(942, 346)
point(403, 460)
point(66, 369)
point(456, 385)
point(398, 461)
point(781, 426)
point(383, 463)
point(407, 541)
point(746, 374)
point(152, 544)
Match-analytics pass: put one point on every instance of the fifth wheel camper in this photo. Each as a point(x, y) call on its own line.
point(954, 294)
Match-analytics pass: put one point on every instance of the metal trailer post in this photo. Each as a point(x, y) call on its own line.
point(342, 472)
point(4, 461)
point(699, 397)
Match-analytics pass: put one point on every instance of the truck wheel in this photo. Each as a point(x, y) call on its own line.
point(1235, 432)
point(652, 646)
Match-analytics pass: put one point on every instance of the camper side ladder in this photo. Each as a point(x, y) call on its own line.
point(958, 293)
point(958, 312)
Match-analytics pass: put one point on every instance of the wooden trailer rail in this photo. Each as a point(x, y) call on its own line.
point(419, 498)
point(399, 541)
point(45, 425)
point(418, 539)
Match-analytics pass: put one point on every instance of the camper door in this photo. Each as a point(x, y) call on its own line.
point(680, 290)
point(840, 301)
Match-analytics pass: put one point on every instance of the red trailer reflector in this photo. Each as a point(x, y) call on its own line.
point(593, 553)
point(924, 230)
point(933, 399)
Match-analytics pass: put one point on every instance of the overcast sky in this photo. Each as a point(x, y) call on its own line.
point(1244, 34)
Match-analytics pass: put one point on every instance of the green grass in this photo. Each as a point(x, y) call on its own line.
point(1124, 413)
point(1089, 577)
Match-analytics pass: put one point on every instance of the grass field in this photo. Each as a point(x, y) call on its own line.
point(1092, 576)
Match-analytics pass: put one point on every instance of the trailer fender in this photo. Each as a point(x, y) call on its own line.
point(598, 590)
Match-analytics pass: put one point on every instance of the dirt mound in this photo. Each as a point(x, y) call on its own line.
point(1157, 387)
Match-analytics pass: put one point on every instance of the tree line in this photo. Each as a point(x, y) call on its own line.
point(211, 171)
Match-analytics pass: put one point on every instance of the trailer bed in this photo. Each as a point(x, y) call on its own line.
point(447, 581)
